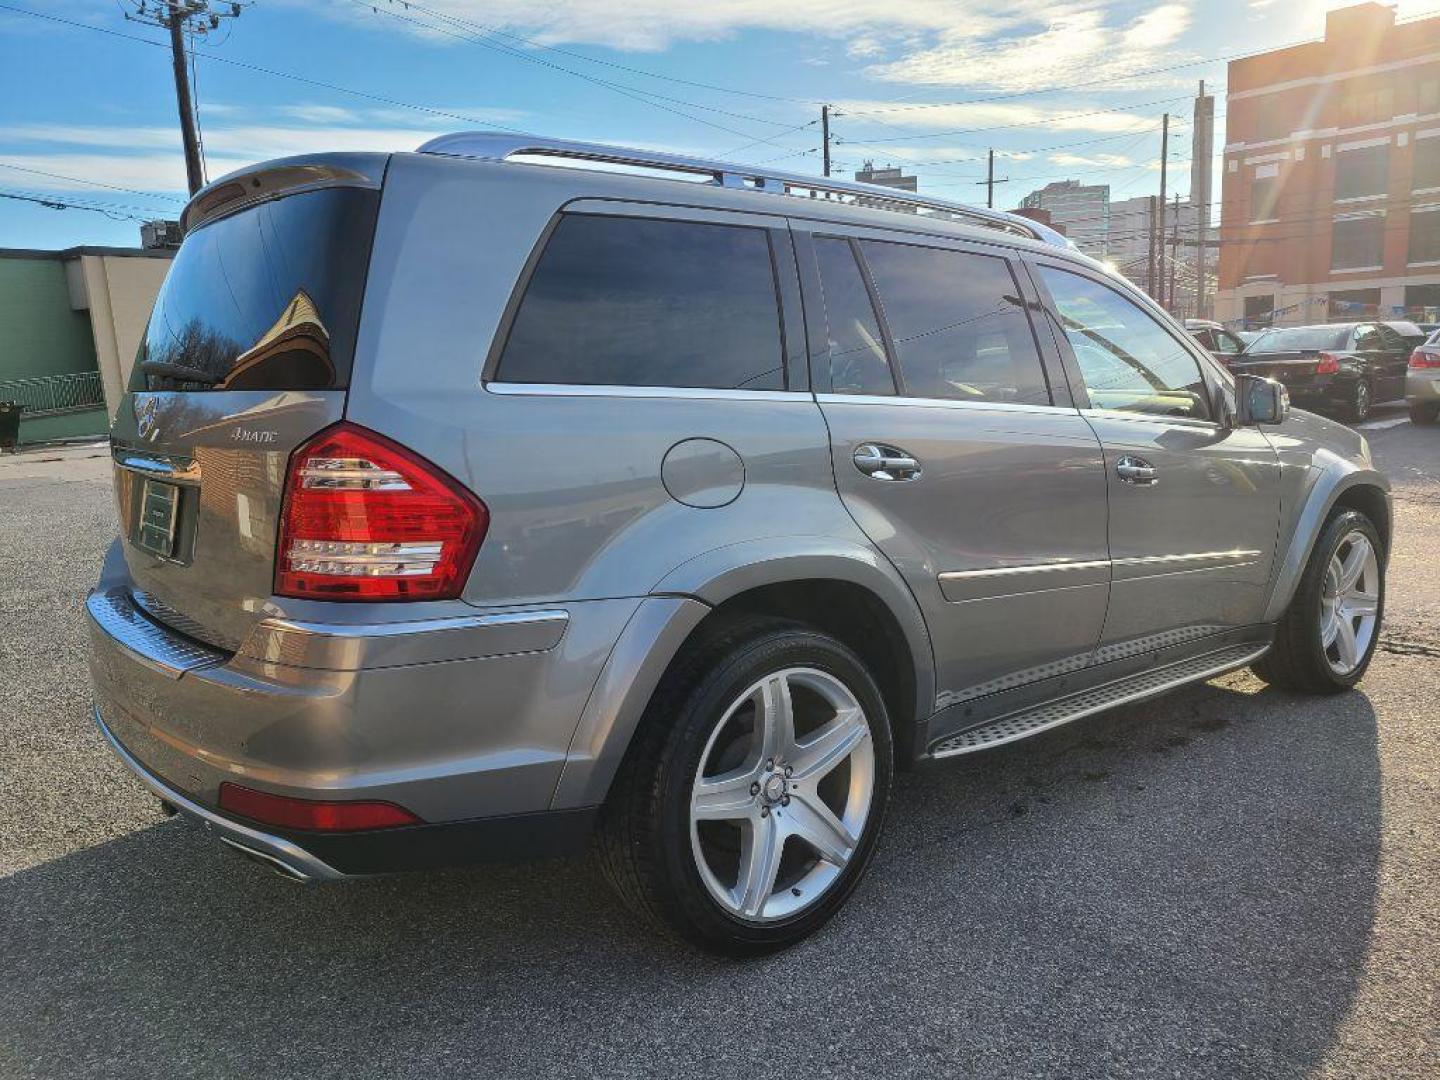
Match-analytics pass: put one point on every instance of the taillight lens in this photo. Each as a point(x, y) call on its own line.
point(366, 519)
point(317, 815)
point(1422, 359)
point(1329, 364)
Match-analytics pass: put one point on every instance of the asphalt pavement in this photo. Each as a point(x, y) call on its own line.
point(1226, 882)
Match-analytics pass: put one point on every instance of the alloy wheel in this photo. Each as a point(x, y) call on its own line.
point(1350, 603)
point(782, 794)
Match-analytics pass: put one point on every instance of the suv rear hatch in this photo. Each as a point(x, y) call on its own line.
point(247, 354)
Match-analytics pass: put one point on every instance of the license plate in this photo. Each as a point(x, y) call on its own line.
point(159, 509)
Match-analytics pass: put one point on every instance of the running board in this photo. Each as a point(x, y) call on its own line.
point(1146, 684)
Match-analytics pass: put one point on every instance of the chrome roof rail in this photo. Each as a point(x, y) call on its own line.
point(501, 147)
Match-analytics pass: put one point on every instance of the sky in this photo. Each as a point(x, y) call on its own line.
point(1059, 89)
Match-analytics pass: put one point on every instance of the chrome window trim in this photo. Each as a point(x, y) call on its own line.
point(1151, 418)
point(830, 398)
point(516, 389)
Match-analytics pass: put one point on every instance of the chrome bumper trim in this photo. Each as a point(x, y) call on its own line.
point(287, 857)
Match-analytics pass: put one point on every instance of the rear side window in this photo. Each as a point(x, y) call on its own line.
point(857, 350)
point(620, 301)
point(958, 323)
point(264, 299)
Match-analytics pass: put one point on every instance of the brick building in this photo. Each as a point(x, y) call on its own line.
point(1330, 195)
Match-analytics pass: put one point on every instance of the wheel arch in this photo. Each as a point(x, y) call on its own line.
point(1364, 490)
point(848, 591)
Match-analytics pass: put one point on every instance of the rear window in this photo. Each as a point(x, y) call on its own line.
point(620, 301)
point(265, 299)
point(1301, 339)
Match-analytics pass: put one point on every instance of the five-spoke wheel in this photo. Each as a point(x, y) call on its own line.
point(1350, 602)
point(782, 794)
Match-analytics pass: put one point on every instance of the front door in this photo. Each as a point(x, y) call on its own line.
point(985, 491)
point(1194, 502)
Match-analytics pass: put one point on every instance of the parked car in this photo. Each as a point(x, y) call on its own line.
point(1422, 381)
point(1223, 344)
point(474, 508)
point(1341, 367)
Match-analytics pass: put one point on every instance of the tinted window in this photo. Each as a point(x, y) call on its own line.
point(857, 351)
point(958, 323)
point(1300, 339)
point(617, 301)
point(1128, 360)
point(1367, 338)
point(266, 299)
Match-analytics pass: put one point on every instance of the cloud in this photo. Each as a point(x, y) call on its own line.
point(982, 115)
point(1042, 48)
point(1103, 161)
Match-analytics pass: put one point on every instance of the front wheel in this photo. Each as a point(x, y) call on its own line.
point(751, 802)
point(1325, 640)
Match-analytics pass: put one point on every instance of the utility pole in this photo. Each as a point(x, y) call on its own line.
point(825, 135)
point(1202, 152)
point(1150, 266)
point(990, 181)
point(1174, 306)
point(179, 17)
point(1160, 219)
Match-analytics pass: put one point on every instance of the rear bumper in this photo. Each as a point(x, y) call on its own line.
point(1422, 385)
point(316, 857)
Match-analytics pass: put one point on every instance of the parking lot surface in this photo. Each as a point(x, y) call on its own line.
point(1226, 882)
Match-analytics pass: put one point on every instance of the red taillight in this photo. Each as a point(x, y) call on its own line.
point(1422, 359)
point(366, 519)
point(320, 816)
point(1329, 364)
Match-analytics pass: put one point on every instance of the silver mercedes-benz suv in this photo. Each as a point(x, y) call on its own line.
point(516, 495)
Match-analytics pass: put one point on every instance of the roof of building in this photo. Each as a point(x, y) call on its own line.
point(86, 249)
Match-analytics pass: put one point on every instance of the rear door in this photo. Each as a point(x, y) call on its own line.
point(1393, 361)
point(983, 487)
point(1194, 503)
point(246, 355)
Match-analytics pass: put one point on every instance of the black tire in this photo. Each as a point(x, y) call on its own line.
point(1297, 659)
point(1424, 412)
point(1361, 398)
point(643, 839)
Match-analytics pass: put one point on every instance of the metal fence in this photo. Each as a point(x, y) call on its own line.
point(47, 395)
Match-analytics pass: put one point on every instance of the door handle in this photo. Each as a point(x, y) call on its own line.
point(1134, 470)
point(886, 462)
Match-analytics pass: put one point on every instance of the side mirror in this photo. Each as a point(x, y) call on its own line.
point(1260, 401)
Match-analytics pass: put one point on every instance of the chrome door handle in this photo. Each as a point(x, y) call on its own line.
point(1134, 470)
point(886, 462)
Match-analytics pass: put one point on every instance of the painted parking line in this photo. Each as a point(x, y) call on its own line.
point(1381, 425)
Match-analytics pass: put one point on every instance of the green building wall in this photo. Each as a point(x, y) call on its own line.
point(40, 334)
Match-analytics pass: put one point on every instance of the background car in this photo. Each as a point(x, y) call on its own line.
point(1340, 367)
point(1422, 381)
point(1223, 344)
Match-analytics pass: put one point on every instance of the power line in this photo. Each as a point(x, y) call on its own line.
point(82, 180)
point(51, 203)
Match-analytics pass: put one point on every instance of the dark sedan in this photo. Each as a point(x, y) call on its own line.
point(1341, 367)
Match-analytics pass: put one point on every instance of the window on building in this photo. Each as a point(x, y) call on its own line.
point(1426, 165)
point(1358, 242)
point(1265, 198)
point(1354, 304)
point(1271, 120)
point(1367, 106)
point(1422, 303)
point(1427, 96)
point(1363, 172)
point(857, 351)
point(958, 323)
point(620, 301)
point(1425, 235)
point(1128, 360)
point(1259, 311)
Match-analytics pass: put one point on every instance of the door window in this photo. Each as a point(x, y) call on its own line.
point(1367, 338)
point(958, 323)
point(1129, 362)
point(857, 349)
point(620, 301)
point(1227, 343)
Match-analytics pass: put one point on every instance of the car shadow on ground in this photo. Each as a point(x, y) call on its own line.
point(1184, 887)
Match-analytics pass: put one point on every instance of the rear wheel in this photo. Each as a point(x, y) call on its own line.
point(1325, 640)
point(750, 804)
point(1361, 398)
point(1424, 412)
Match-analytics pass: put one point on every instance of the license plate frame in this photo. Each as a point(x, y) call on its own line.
point(159, 514)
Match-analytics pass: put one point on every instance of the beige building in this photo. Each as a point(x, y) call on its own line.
point(117, 288)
